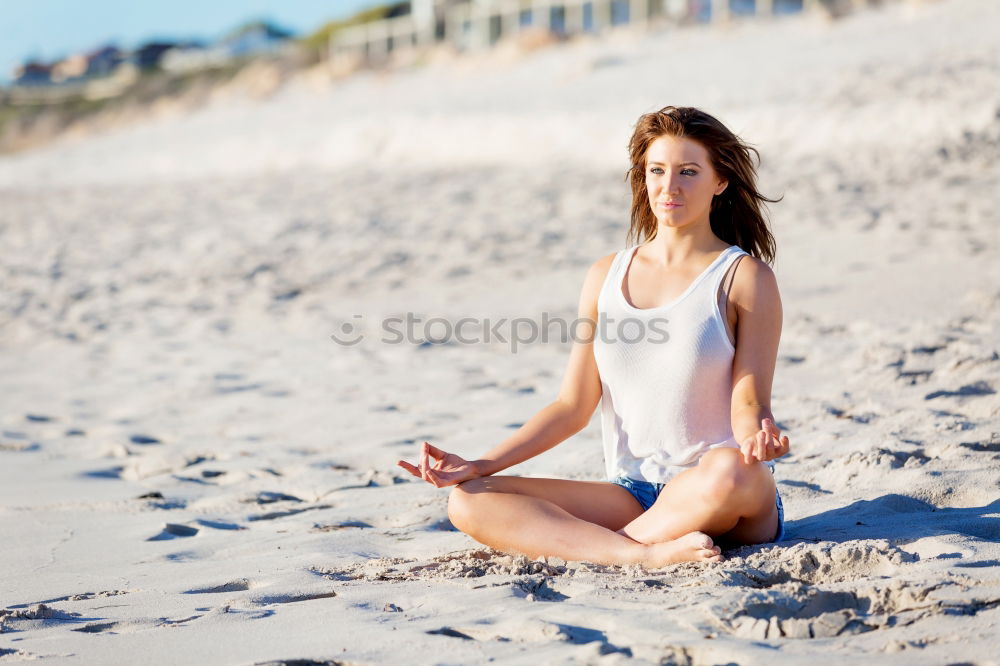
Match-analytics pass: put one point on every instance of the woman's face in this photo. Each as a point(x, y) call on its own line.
point(680, 181)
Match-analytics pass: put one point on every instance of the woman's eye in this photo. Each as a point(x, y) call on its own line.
point(687, 172)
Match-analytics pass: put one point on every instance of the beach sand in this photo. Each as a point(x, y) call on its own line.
point(192, 471)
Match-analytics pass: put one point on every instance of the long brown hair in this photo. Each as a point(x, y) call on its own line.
point(737, 215)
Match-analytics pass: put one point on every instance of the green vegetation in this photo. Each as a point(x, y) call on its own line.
point(24, 124)
point(255, 26)
point(43, 118)
point(319, 40)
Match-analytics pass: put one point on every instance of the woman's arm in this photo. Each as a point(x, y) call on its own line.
point(758, 331)
point(578, 396)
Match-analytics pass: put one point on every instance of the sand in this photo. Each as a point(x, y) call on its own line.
point(192, 471)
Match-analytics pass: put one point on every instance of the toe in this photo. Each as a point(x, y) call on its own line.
point(703, 540)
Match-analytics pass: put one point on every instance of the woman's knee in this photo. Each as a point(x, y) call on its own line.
point(726, 474)
point(460, 501)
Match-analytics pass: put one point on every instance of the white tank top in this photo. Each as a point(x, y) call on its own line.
point(666, 375)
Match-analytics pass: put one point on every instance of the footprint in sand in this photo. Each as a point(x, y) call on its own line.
point(96, 627)
point(219, 525)
point(983, 447)
point(462, 564)
point(815, 563)
point(272, 515)
point(174, 531)
point(299, 662)
point(535, 630)
point(238, 585)
point(865, 417)
point(536, 588)
point(291, 598)
point(888, 457)
point(106, 473)
point(979, 388)
point(21, 655)
point(20, 446)
point(270, 497)
point(814, 487)
point(155, 500)
point(36, 612)
point(40, 606)
point(805, 611)
point(346, 524)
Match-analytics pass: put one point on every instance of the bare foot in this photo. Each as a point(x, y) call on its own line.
point(692, 547)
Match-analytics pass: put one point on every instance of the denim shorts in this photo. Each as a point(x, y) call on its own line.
point(646, 492)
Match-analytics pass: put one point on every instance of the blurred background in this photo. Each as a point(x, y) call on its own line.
point(243, 180)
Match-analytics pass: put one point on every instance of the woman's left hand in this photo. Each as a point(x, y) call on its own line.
point(766, 444)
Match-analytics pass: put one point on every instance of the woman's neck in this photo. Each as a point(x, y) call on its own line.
point(675, 246)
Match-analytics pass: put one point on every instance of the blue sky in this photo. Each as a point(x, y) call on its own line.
point(49, 29)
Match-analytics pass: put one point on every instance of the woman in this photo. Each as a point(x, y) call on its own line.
point(684, 386)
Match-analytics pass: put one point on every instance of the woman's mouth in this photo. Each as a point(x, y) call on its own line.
point(669, 205)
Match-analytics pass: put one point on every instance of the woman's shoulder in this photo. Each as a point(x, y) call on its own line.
point(753, 279)
point(600, 268)
point(604, 263)
point(596, 276)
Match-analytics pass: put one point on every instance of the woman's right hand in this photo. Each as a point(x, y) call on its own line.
point(449, 469)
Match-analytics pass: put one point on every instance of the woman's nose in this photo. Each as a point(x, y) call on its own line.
point(671, 182)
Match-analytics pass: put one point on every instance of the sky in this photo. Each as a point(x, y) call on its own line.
point(50, 29)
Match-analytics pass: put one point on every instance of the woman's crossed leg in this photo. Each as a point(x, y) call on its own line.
point(601, 522)
point(723, 496)
point(574, 520)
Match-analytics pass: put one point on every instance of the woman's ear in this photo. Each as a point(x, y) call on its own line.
point(722, 187)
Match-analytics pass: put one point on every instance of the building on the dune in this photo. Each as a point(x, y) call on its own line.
point(479, 24)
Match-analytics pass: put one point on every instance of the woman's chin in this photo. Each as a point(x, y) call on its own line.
point(669, 220)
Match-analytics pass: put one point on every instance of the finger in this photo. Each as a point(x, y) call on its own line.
point(761, 445)
point(409, 468)
point(432, 477)
point(784, 446)
point(772, 443)
point(745, 449)
point(424, 461)
point(434, 451)
point(440, 479)
point(769, 426)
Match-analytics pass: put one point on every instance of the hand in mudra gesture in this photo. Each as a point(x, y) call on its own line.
point(766, 444)
point(447, 471)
